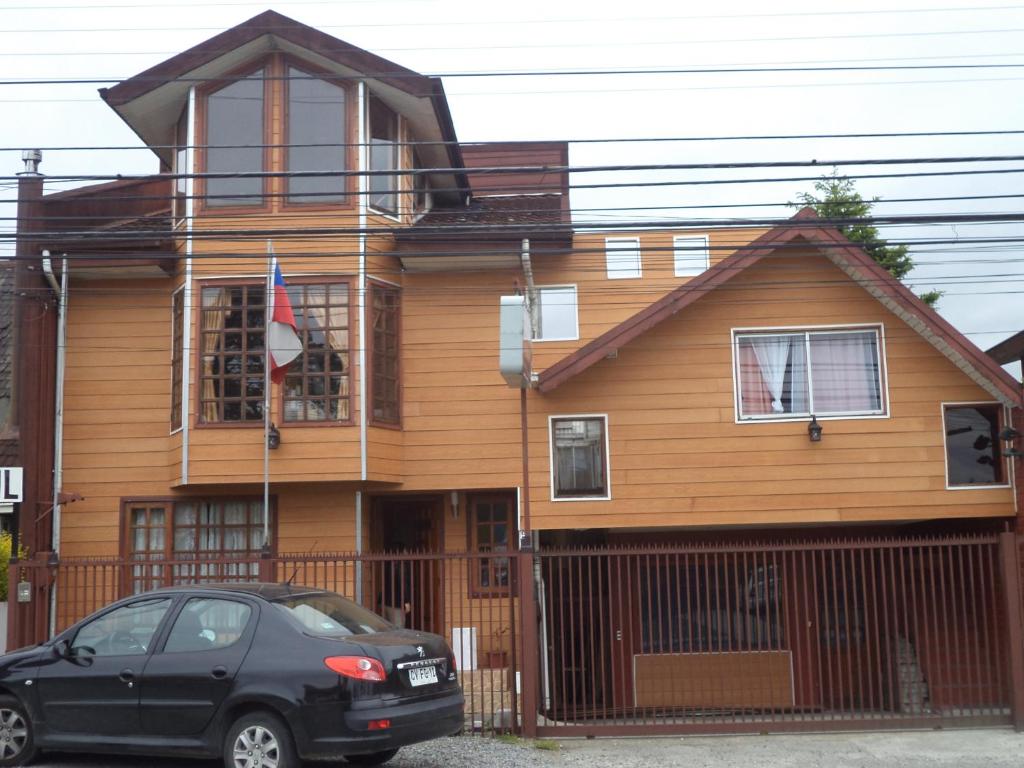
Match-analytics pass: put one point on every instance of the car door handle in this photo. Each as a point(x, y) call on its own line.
point(127, 676)
point(219, 672)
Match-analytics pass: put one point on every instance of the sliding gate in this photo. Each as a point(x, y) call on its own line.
point(801, 636)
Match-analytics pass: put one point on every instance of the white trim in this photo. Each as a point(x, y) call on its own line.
point(576, 314)
point(883, 372)
point(607, 457)
point(361, 279)
point(689, 242)
point(609, 272)
point(184, 363)
point(1007, 465)
point(186, 331)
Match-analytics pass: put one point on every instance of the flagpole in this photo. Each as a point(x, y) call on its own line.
point(269, 311)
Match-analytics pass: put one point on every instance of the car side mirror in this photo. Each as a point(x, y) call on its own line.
point(63, 649)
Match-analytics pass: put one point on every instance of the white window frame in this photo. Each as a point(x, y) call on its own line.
point(624, 247)
point(607, 457)
point(807, 330)
point(1007, 466)
point(537, 307)
point(395, 215)
point(687, 249)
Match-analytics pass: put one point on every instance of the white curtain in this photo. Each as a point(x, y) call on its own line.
point(772, 354)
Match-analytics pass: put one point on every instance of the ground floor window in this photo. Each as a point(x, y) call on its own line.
point(493, 529)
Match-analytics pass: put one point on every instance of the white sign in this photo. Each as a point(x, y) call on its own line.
point(10, 484)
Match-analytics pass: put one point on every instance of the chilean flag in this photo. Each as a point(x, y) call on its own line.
point(283, 340)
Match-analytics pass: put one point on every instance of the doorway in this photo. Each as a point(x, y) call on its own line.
point(407, 586)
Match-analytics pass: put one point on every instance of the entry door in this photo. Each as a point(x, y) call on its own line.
point(187, 680)
point(406, 588)
point(95, 692)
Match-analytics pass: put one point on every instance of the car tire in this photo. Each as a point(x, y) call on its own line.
point(373, 758)
point(17, 742)
point(256, 736)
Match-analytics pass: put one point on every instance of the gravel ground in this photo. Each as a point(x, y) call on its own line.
point(923, 749)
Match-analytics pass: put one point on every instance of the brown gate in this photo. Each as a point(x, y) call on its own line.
point(802, 636)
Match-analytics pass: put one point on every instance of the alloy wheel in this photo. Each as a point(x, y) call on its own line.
point(256, 747)
point(13, 733)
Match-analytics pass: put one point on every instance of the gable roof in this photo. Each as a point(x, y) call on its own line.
point(850, 258)
point(151, 101)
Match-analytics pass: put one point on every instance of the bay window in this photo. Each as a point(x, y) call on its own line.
point(231, 374)
point(784, 374)
point(234, 143)
point(383, 157)
point(317, 384)
point(316, 131)
point(385, 392)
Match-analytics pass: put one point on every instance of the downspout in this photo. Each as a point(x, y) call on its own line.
point(531, 289)
point(361, 310)
point(186, 325)
point(58, 414)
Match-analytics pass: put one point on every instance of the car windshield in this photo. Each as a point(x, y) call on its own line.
point(325, 613)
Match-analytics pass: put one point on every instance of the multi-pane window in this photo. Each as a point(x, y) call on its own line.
point(622, 257)
point(194, 534)
point(316, 131)
point(972, 445)
point(317, 384)
point(492, 530)
point(177, 354)
point(234, 139)
point(231, 375)
point(383, 157)
point(555, 313)
point(579, 460)
point(384, 370)
point(826, 373)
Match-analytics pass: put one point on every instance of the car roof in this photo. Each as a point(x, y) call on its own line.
point(267, 590)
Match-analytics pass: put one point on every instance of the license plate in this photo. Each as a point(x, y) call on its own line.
point(422, 676)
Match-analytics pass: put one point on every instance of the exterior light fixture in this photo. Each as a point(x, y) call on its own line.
point(814, 430)
point(273, 438)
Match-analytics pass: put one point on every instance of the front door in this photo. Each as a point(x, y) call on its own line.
point(188, 678)
point(94, 691)
point(408, 585)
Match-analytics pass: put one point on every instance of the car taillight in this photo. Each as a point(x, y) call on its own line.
point(357, 667)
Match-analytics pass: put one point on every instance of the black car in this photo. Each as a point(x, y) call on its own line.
point(261, 674)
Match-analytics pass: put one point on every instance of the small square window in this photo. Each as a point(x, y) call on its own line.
point(622, 257)
point(556, 312)
point(691, 255)
point(579, 458)
point(973, 457)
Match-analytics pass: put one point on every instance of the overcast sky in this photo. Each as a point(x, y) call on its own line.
point(983, 283)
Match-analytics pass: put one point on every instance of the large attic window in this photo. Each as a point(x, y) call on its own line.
point(316, 138)
point(234, 139)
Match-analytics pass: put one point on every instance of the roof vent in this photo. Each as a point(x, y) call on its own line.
point(31, 158)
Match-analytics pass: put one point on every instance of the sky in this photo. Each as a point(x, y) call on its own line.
point(983, 282)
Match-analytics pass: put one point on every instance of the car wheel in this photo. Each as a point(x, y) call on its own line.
point(259, 740)
point(17, 746)
point(373, 758)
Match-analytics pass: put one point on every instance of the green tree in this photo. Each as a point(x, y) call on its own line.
point(836, 197)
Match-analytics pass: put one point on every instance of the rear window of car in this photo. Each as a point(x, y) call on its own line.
point(331, 615)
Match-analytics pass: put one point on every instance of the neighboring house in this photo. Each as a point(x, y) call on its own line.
point(676, 372)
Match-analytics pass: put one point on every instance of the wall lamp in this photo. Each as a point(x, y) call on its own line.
point(814, 430)
point(273, 438)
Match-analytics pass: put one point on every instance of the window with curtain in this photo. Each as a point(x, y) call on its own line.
point(973, 457)
point(579, 461)
point(316, 138)
point(231, 338)
point(826, 373)
point(317, 386)
point(234, 139)
point(385, 303)
point(177, 354)
point(493, 529)
point(192, 532)
point(383, 157)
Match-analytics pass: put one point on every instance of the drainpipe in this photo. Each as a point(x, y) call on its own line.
point(361, 311)
point(531, 289)
point(58, 414)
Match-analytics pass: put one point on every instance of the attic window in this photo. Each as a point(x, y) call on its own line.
point(383, 157)
point(316, 138)
point(234, 138)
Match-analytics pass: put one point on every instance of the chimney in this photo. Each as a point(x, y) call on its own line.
point(32, 158)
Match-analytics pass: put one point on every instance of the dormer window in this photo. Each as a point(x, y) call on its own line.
point(383, 157)
point(234, 139)
point(316, 138)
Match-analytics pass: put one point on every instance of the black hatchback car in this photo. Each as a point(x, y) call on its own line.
point(264, 675)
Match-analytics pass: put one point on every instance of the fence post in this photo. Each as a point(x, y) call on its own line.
point(1009, 571)
point(530, 676)
point(15, 614)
